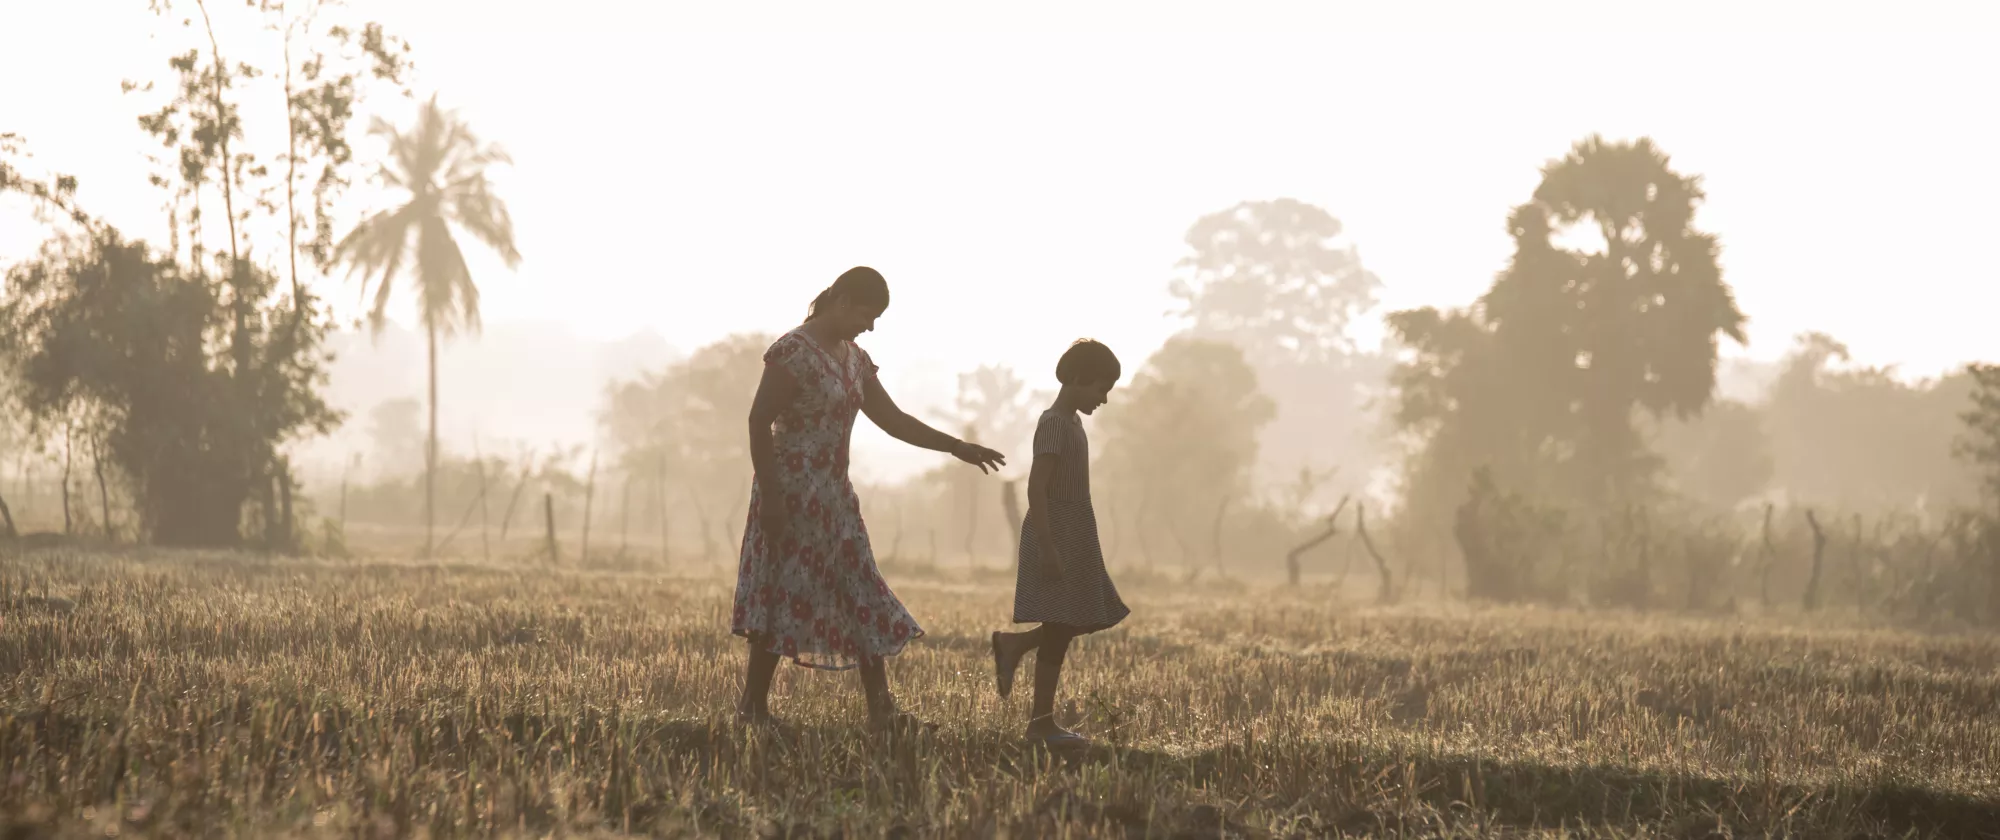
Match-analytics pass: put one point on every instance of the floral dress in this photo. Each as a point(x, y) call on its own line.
point(817, 598)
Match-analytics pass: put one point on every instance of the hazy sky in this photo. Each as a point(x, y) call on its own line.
point(1023, 172)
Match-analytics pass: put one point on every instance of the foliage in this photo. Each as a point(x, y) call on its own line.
point(1541, 380)
point(442, 167)
point(686, 425)
point(102, 328)
point(1721, 458)
point(1267, 277)
point(1180, 441)
point(1980, 443)
point(1274, 279)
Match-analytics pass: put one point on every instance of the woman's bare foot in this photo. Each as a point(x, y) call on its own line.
point(756, 718)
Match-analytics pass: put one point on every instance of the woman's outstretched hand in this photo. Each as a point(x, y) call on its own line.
point(985, 459)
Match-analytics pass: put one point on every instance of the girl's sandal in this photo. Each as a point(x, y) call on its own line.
point(1063, 741)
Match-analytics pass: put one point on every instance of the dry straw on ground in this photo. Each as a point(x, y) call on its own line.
point(226, 695)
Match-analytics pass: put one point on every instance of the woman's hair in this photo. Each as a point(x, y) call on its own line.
point(1087, 360)
point(859, 285)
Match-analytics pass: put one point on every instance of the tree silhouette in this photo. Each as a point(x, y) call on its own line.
point(1267, 277)
point(441, 165)
point(1181, 440)
point(1612, 303)
point(1980, 443)
point(1276, 279)
point(1853, 435)
point(685, 424)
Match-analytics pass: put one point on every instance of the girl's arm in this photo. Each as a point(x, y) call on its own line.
point(1038, 510)
point(885, 414)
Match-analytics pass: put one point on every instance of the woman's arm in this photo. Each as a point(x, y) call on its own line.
point(775, 391)
point(876, 404)
point(901, 426)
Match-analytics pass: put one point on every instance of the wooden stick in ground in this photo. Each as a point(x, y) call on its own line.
point(1767, 557)
point(1215, 534)
point(485, 544)
point(624, 512)
point(1819, 554)
point(1382, 566)
point(1292, 557)
point(660, 487)
point(527, 468)
point(463, 518)
point(589, 495)
point(549, 515)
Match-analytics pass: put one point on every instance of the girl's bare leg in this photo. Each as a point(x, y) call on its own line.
point(1054, 646)
point(1008, 648)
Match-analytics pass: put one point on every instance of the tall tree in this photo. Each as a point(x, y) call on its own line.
point(1279, 280)
point(1542, 379)
point(1181, 441)
point(684, 424)
point(441, 166)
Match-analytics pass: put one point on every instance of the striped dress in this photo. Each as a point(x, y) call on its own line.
point(1084, 598)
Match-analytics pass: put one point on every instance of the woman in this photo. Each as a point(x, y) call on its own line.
point(807, 588)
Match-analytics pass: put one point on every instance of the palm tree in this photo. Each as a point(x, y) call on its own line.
point(442, 166)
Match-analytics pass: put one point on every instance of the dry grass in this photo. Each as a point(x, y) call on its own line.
point(223, 695)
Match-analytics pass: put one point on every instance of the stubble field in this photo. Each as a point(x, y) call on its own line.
point(226, 695)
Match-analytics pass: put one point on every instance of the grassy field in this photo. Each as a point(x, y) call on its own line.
point(226, 695)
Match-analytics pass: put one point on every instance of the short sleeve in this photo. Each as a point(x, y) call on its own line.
point(1051, 437)
point(786, 353)
point(868, 368)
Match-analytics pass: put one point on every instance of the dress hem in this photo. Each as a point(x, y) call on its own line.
point(800, 662)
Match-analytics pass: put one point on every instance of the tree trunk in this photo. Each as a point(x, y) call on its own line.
point(103, 490)
point(1818, 558)
point(431, 444)
point(7, 519)
point(68, 524)
point(285, 533)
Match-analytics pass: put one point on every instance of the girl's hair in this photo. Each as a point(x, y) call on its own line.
point(1087, 360)
point(859, 285)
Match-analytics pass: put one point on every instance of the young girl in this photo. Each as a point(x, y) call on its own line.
point(1061, 582)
